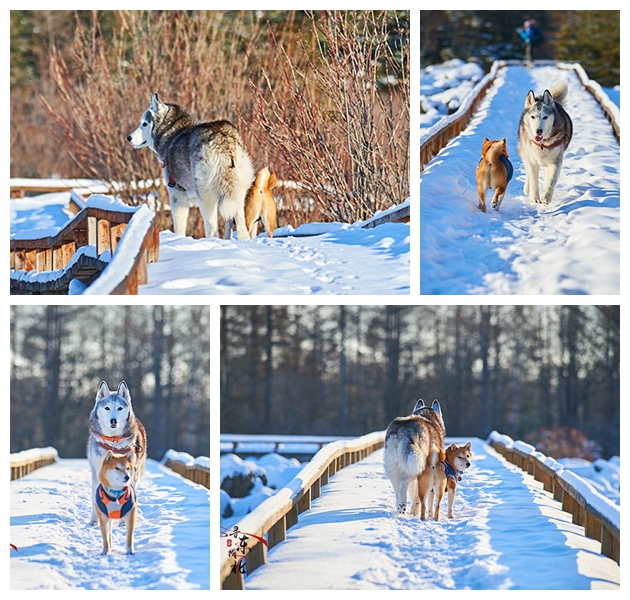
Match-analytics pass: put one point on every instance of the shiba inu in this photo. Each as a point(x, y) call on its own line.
point(441, 475)
point(494, 172)
point(115, 497)
point(544, 133)
point(260, 203)
point(113, 427)
point(408, 441)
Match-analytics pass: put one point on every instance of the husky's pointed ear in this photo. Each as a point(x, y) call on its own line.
point(547, 97)
point(436, 407)
point(123, 391)
point(103, 391)
point(156, 103)
point(418, 406)
point(530, 100)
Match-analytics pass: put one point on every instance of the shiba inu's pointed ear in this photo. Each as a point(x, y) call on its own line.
point(123, 391)
point(468, 446)
point(418, 406)
point(103, 391)
point(530, 100)
point(436, 407)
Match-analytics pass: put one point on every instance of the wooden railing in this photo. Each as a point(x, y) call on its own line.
point(274, 516)
point(447, 128)
point(439, 135)
point(197, 470)
point(600, 521)
point(76, 251)
point(25, 462)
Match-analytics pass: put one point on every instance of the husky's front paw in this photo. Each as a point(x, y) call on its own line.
point(402, 509)
point(130, 550)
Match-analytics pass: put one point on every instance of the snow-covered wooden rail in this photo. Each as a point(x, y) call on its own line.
point(194, 469)
point(25, 462)
point(439, 135)
point(107, 242)
point(599, 519)
point(271, 519)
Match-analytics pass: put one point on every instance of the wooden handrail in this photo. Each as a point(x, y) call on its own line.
point(25, 462)
point(274, 516)
point(98, 230)
point(600, 521)
point(188, 467)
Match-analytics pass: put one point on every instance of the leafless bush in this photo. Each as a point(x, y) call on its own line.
point(337, 114)
point(318, 106)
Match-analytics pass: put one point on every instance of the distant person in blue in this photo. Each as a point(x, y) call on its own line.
point(530, 32)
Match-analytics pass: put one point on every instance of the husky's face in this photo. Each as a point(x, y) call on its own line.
point(459, 456)
point(143, 134)
point(538, 116)
point(112, 409)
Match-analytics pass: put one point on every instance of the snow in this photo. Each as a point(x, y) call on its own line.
point(507, 533)
point(316, 258)
point(571, 246)
point(57, 549)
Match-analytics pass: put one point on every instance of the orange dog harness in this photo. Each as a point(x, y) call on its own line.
point(117, 503)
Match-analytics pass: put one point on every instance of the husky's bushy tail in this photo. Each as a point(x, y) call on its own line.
point(559, 92)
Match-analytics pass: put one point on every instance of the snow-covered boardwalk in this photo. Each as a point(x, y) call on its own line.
point(507, 534)
point(57, 549)
point(571, 246)
point(345, 259)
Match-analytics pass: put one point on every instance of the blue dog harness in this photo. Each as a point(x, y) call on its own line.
point(509, 169)
point(508, 166)
point(451, 471)
point(115, 503)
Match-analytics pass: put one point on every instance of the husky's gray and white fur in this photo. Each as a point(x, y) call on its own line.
point(205, 164)
point(408, 441)
point(544, 134)
point(113, 426)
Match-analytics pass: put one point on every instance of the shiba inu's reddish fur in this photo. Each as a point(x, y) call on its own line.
point(491, 172)
point(115, 479)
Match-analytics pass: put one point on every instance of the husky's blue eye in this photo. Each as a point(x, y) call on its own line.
point(107, 408)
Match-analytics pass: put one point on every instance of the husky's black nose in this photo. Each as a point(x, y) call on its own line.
point(113, 423)
point(129, 138)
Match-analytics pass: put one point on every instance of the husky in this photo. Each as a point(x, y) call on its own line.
point(113, 427)
point(544, 134)
point(440, 475)
point(205, 164)
point(408, 441)
point(494, 172)
point(260, 204)
point(115, 497)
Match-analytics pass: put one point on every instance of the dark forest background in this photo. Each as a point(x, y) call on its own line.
point(545, 374)
point(590, 37)
point(60, 354)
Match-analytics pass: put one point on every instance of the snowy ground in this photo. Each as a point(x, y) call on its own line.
point(57, 549)
point(340, 259)
point(507, 534)
point(568, 247)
